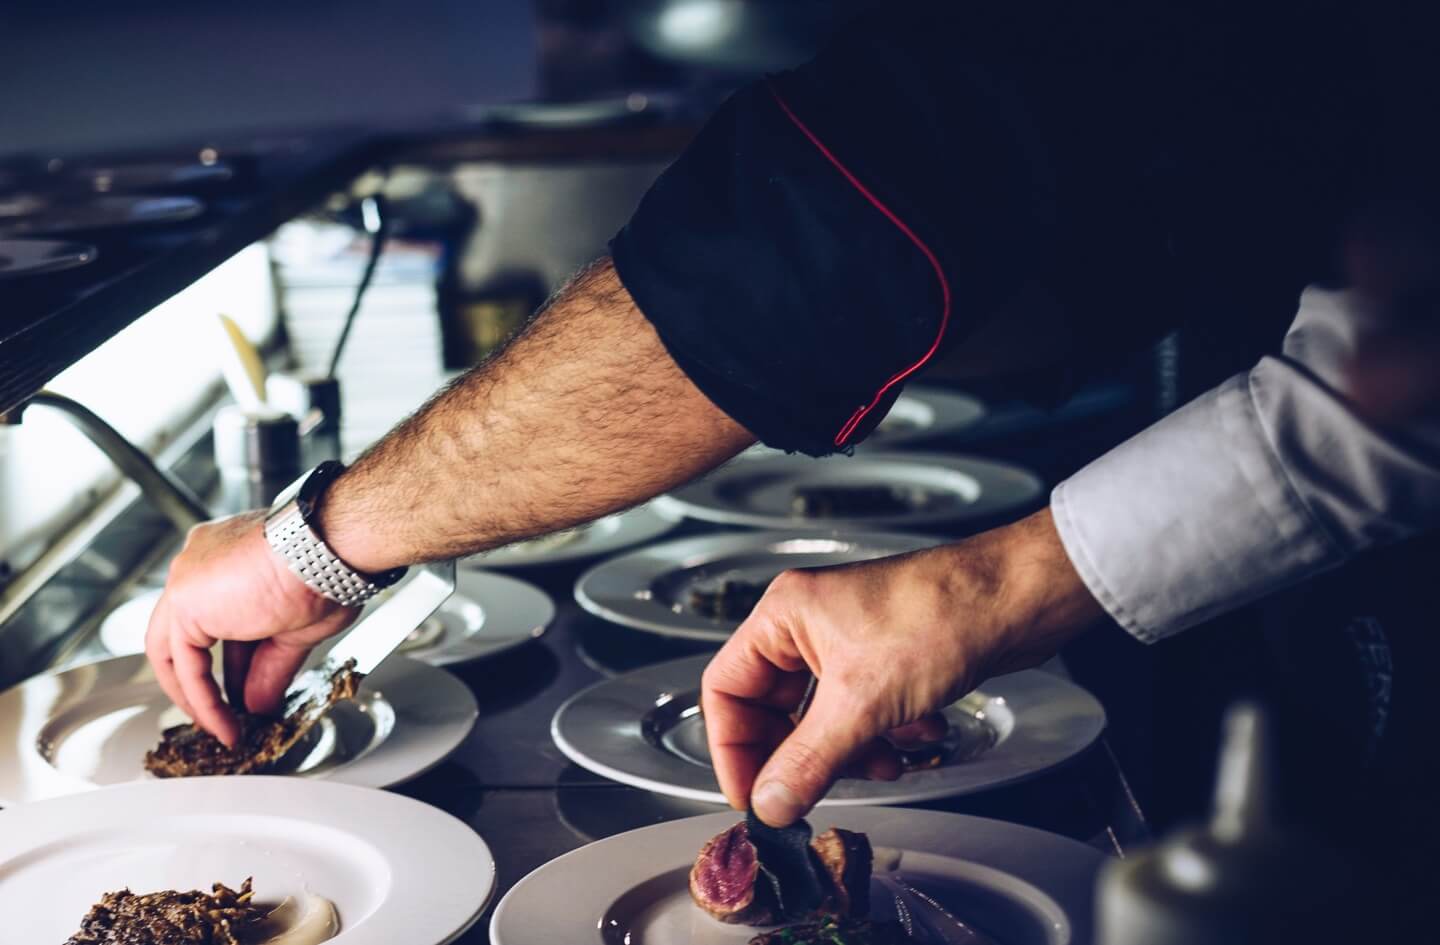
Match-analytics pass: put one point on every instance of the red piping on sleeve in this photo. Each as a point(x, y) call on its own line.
point(865, 409)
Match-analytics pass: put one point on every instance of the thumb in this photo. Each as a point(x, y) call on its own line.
point(802, 769)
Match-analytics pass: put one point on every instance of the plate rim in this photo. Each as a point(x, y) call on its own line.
point(659, 525)
point(522, 632)
point(977, 467)
point(913, 541)
point(70, 254)
point(1062, 855)
point(883, 793)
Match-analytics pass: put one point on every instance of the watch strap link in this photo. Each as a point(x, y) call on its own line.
point(311, 560)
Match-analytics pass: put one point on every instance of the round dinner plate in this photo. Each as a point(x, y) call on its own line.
point(103, 213)
point(90, 726)
point(600, 537)
point(1019, 885)
point(39, 257)
point(934, 488)
point(644, 729)
point(396, 870)
point(655, 588)
point(488, 614)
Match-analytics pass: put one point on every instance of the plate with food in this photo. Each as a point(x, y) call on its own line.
point(644, 729)
point(109, 723)
point(877, 876)
point(41, 257)
point(488, 614)
point(601, 537)
point(231, 861)
point(701, 588)
point(870, 490)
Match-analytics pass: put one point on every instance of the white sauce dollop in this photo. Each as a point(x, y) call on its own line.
point(309, 920)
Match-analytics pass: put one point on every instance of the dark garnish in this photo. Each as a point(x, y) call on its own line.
point(220, 917)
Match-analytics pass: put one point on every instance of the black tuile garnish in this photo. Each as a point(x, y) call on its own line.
point(788, 864)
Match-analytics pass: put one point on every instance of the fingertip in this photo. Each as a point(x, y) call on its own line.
point(776, 804)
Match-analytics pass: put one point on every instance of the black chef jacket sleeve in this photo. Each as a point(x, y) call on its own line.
point(830, 229)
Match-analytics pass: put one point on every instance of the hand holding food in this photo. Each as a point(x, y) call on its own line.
point(227, 585)
point(891, 642)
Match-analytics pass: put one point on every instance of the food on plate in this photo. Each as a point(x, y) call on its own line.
point(188, 750)
point(833, 931)
point(221, 917)
point(756, 875)
point(729, 599)
point(833, 501)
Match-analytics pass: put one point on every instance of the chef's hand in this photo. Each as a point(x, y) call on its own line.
point(891, 642)
point(227, 585)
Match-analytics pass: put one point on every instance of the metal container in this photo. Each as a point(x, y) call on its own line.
point(258, 455)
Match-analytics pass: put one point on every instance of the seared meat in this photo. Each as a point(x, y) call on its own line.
point(832, 501)
point(833, 931)
point(188, 750)
point(725, 880)
point(847, 858)
point(220, 917)
point(757, 875)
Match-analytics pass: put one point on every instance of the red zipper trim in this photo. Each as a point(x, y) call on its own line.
point(890, 215)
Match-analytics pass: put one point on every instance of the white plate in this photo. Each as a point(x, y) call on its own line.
point(1020, 885)
point(90, 727)
point(488, 614)
point(601, 537)
point(397, 870)
point(943, 490)
point(650, 589)
point(644, 729)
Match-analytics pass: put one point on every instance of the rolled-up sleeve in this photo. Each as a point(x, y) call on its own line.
point(831, 227)
point(1268, 479)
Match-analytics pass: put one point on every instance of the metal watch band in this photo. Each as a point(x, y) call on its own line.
point(312, 561)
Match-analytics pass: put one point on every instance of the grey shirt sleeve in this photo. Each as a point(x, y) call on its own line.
point(1268, 479)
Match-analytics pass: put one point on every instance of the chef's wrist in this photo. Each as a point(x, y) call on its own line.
point(1043, 601)
point(348, 528)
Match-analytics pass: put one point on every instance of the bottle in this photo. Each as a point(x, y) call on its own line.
point(1241, 879)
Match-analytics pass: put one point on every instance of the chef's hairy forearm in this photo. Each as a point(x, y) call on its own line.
point(583, 413)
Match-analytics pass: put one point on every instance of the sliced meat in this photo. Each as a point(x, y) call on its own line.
point(725, 880)
point(847, 859)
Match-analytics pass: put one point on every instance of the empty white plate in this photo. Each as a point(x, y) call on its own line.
point(90, 727)
point(929, 489)
point(644, 729)
point(1018, 885)
point(397, 870)
point(655, 588)
point(600, 537)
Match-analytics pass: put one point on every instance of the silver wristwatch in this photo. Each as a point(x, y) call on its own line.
point(289, 530)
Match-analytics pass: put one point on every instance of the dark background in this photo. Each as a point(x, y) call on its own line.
point(83, 74)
